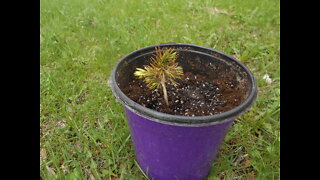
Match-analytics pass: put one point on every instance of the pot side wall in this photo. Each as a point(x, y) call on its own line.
point(167, 152)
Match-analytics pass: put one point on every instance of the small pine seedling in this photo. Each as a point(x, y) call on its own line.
point(163, 68)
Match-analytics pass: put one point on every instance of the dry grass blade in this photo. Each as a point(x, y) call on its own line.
point(51, 171)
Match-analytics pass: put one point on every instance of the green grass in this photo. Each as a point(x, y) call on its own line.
point(84, 133)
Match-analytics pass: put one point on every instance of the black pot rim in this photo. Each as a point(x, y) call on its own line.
point(178, 119)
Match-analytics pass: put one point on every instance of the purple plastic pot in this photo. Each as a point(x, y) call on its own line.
point(180, 147)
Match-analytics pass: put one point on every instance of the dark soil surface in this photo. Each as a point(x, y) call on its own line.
point(196, 95)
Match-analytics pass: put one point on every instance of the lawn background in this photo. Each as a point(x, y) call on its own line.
point(84, 133)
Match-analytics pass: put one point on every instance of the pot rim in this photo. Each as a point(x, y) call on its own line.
point(178, 119)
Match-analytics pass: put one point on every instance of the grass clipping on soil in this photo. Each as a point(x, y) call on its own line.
point(163, 68)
